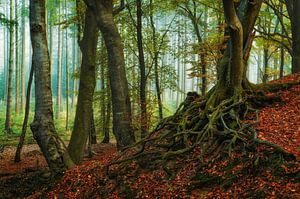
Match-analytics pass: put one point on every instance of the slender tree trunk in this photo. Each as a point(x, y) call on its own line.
point(281, 70)
point(103, 100)
point(121, 105)
point(178, 69)
point(93, 129)
point(42, 127)
point(87, 84)
point(23, 64)
point(156, 71)
point(67, 72)
point(26, 116)
point(143, 81)
point(17, 85)
point(74, 64)
point(58, 95)
point(10, 71)
point(107, 116)
point(266, 63)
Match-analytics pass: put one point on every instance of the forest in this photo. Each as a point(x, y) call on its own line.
point(149, 99)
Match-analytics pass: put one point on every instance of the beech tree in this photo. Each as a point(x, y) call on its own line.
point(121, 106)
point(84, 113)
point(10, 70)
point(293, 7)
point(43, 127)
point(143, 78)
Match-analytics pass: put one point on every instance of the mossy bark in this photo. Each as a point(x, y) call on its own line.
point(121, 105)
point(84, 113)
point(42, 127)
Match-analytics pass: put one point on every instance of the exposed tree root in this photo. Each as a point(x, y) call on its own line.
point(223, 129)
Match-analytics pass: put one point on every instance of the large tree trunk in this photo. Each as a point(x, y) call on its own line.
point(231, 72)
point(42, 127)
point(121, 106)
point(87, 84)
point(143, 80)
point(296, 37)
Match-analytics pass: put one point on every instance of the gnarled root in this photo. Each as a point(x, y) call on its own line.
point(215, 131)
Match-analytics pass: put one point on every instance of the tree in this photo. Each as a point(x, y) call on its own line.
point(67, 70)
point(59, 65)
point(84, 114)
point(23, 62)
point(143, 78)
point(10, 70)
point(26, 117)
point(43, 127)
point(293, 7)
point(121, 105)
point(17, 71)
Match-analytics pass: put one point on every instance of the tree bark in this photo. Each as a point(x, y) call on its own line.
point(231, 68)
point(281, 70)
point(26, 115)
point(121, 105)
point(59, 56)
point(107, 117)
point(93, 129)
point(42, 127)
point(10, 71)
point(236, 65)
point(17, 71)
point(23, 64)
point(143, 80)
point(82, 123)
point(266, 63)
point(296, 37)
point(156, 66)
point(67, 72)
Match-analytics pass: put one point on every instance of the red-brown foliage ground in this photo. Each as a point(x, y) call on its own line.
point(279, 123)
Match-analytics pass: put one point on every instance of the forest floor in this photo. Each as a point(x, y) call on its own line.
point(278, 123)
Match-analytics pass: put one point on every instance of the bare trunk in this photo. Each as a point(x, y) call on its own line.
point(23, 64)
point(296, 37)
point(93, 129)
point(236, 65)
point(67, 72)
point(87, 84)
point(58, 86)
point(266, 63)
point(26, 115)
point(156, 72)
point(10, 73)
point(121, 105)
point(143, 81)
point(42, 127)
point(281, 70)
point(107, 117)
point(231, 68)
point(17, 83)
